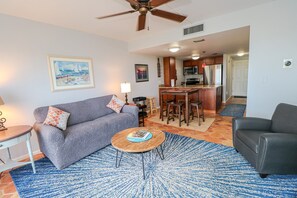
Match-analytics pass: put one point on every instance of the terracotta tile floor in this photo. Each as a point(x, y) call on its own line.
point(220, 132)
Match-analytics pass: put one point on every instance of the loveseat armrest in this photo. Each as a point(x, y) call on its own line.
point(49, 134)
point(277, 153)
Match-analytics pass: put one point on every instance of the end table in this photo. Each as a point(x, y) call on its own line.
point(12, 136)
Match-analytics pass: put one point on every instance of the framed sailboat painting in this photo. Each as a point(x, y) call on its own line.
point(70, 73)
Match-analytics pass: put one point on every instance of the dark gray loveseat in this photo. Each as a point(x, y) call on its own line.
point(269, 145)
point(90, 127)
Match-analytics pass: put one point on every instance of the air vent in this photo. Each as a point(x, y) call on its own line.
point(194, 29)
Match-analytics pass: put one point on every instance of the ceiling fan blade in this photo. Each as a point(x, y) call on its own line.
point(133, 2)
point(112, 15)
point(156, 3)
point(141, 22)
point(168, 15)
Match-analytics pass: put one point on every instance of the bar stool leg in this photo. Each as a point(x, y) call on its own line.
point(179, 115)
point(202, 113)
point(198, 116)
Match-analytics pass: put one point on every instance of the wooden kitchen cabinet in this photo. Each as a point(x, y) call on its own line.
point(169, 70)
point(209, 61)
point(218, 60)
point(200, 68)
point(206, 60)
point(188, 63)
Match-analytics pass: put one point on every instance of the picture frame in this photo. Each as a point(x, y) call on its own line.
point(141, 72)
point(68, 73)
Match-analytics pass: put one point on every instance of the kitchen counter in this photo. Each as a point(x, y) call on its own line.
point(191, 86)
point(210, 95)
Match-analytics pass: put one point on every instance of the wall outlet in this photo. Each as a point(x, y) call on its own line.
point(288, 63)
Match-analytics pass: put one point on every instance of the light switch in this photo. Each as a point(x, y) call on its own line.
point(287, 63)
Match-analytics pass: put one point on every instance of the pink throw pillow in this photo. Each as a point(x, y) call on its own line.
point(116, 104)
point(57, 118)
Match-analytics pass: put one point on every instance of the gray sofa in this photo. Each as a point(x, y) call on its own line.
point(269, 145)
point(90, 127)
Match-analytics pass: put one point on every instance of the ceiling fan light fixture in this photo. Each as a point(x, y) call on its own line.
point(195, 57)
point(174, 49)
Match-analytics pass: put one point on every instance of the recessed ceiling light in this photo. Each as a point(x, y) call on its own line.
point(198, 41)
point(195, 57)
point(240, 53)
point(174, 49)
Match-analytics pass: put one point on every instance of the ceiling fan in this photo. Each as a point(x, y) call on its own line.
point(144, 6)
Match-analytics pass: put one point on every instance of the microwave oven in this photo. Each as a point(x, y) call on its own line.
point(190, 70)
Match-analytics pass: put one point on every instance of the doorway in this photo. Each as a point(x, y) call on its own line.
point(239, 78)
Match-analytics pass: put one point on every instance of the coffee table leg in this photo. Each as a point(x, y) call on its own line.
point(143, 173)
point(160, 153)
point(118, 163)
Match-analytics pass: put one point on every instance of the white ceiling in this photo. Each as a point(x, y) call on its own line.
point(227, 42)
point(81, 14)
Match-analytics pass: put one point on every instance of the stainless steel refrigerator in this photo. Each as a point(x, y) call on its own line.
point(212, 74)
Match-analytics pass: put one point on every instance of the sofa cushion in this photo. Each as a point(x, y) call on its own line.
point(81, 111)
point(57, 118)
point(284, 119)
point(115, 104)
point(251, 138)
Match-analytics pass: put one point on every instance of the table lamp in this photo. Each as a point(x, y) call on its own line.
point(2, 120)
point(125, 88)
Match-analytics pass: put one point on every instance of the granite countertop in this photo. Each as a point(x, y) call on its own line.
point(192, 86)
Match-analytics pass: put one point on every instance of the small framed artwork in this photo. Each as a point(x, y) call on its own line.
point(70, 73)
point(141, 72)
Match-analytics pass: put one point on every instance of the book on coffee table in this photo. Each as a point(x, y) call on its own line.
point(139, 136)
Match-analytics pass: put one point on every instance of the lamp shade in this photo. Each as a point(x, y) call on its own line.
point(125, 87)
point(1, 101)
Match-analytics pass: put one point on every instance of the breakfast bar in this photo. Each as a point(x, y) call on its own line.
point(209, 95)
point(178, 92)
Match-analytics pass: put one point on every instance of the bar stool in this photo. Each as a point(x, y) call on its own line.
point(196, 106)
point(165, 103)
point(151, 101)
point(176, 110)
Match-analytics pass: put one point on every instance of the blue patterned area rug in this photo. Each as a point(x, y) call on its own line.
point(234, 110)
point(191, 168)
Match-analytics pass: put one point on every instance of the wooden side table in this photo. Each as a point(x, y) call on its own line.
point(12, 136)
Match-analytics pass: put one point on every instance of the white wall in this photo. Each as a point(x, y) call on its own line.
point(273, 31)
point(273, 38)
point(24, 78)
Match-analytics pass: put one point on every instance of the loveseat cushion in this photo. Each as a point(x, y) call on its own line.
point(284, 119)
point(251, 138)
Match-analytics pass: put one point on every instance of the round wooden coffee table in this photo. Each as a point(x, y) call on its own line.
point(120, 142)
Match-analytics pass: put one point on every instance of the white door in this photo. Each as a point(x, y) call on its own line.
point(240, 78)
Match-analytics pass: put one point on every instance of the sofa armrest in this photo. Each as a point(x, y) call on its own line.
point(277, 151)
point(131, 109)
point(47, 133)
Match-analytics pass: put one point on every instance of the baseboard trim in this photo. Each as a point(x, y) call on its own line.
point(228, 99)
point(26, 156)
